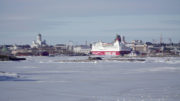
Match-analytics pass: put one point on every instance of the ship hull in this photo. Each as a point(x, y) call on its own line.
point(109, 52)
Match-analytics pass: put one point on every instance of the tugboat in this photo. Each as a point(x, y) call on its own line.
point(115, 48)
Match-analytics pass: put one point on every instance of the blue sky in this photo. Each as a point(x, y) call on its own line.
point(79, 20)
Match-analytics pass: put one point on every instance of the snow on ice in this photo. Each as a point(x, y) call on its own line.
point(46, 79)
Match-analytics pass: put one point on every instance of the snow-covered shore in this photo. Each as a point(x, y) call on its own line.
point(45, 79)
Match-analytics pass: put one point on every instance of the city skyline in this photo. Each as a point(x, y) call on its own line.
point(91, 20)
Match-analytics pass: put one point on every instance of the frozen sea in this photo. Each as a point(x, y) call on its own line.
point(47, 79)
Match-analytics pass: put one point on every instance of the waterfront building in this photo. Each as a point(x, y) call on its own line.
point(84, 49)
point(5, 51)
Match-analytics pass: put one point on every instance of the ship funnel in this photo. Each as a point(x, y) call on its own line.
point(118, 37)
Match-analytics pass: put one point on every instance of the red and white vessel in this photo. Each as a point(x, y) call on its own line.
point(115, 48)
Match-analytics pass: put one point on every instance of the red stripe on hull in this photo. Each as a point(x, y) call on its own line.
point(109, 52)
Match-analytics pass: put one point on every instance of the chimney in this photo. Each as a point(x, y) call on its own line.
point(118, 37)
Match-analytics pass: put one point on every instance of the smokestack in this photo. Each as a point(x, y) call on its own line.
point(118, 37)
point(161, 39)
